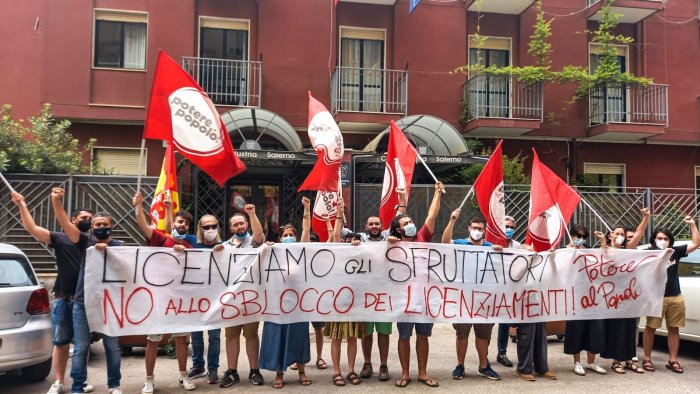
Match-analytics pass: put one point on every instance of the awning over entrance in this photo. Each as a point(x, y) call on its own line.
point(430, 135)
point(256, 129)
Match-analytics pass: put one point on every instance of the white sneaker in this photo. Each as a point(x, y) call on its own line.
point(115, 390)
point(186, 384)
point(87, 387)
point(597, 368)
point(148, 386)
point(56, 388)
point(578, 369)
point(635, 359)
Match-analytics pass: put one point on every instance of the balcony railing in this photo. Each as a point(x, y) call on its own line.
point(227, 82)
point(593, 2)
point(628, 103)
point(369, 90)
point(491, 96)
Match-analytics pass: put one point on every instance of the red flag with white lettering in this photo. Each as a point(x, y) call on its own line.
point(552, 202)
point(398, 171)
point(488, 188)
point(181, 112)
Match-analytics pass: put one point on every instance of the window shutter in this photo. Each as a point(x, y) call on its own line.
point(224, 23)
point(119, 161)
point(502, 43)
point(362, 33)
point(121, 16)
point(604, 168)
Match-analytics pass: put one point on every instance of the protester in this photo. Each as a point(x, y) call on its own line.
point(621, 334)
point(242, 239)
point(287, 344)
point(674, 302)
point(176, 240)
point(373, 233)
point(69, 258)
point(580, 335)
point(403, 229)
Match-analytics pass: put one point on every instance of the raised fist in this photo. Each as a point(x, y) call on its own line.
point(57, 193)
point(249, 209)
point(306, 202)
point(137, 200)
point(455, 214)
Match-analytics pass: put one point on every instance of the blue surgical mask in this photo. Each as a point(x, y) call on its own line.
point(178, 236)
point(410, 230)
point(509, 233)
point(241, 237)
point(289, 239)
point(579, 241)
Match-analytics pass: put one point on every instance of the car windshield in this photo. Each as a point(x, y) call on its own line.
point(16, 272)
point(690, 266)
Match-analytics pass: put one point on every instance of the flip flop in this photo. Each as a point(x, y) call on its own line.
point(401, 382)
point(429, 382)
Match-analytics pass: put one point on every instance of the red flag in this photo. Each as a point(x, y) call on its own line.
point(552, 202)
point(180, 111)
point(326, 139)
point(398, 171)
point(167, 183)
point(488, 188)
point(326, 203)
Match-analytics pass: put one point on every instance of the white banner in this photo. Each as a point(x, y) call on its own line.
point(142, 290)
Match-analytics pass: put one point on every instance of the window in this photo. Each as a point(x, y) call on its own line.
point(362, 69)
point(608, 103)
point(118, 161)
point(489, 96)
point(609, 177)
point(120, 39)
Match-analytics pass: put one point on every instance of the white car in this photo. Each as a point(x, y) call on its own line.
point(689, 275)
point(25, 317)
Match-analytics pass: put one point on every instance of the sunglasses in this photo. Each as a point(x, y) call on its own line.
point(510, 227)
point(210, 227)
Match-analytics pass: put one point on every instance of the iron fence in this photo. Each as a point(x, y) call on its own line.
point(628, 103)
point(369, 90)
point(227, 82)
point(491, 96)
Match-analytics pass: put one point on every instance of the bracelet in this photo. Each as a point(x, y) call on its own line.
point(401, 206)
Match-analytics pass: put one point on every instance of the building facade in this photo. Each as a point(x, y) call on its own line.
point(370, 62)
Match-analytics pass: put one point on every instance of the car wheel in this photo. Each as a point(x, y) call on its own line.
point(126, 351)
point(38, 372)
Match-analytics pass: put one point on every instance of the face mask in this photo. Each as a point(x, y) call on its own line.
point(509, 233)
point(178, 236)
point(210, 235)
point(661, 244)
point(475, 234)
point(102, 232)
point(410, 230)
point(241, 237)
point(578, 241)
point(619, 239)
point(84, 225)
point(289, 239)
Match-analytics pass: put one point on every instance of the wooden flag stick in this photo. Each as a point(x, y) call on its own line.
point(138, 176)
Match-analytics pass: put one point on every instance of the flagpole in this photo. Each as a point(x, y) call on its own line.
point(138, 176)
point(469, 194)
point(7, 183)
point(429, 172)
point(596, 214)
point(563, 222)
point(340, 192)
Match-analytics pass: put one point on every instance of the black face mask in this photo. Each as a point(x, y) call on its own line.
point(102, 232)
point(84, 225)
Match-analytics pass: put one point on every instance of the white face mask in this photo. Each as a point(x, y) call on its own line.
point(661, 244)
point(476, 234)
point(619, 239)
point(210, 235)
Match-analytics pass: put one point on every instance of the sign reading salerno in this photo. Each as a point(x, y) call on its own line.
point(282, 155)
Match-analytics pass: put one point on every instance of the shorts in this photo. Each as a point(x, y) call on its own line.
point(380, 328)
point(673, 311)
point(249, 330)
point(62, 322)
point(318, 324)
point(481, 331)
point(159, 337)
point(406, 329)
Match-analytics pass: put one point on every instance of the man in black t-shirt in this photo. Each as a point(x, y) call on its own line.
point(674, 302)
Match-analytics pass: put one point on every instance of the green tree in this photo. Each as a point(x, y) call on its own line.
point(513, 167)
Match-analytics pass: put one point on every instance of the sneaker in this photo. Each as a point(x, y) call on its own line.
point(578, 369)
point(196, 372)
point(458, 372)
point(148, 386)
point(489, 373)
point(213, 376)
point(115, 390)
point(597, 368)
point(56, 388)
point(255, 377)
point(87, 387)
point(185, 382)
point(230, 378)
point(635, 359)
point(504, 360)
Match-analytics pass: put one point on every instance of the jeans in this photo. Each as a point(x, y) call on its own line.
point(62, 322)
point(502, 341)
point(81, 350)
point(212, 352)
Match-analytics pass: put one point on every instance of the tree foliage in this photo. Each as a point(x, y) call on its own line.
point(44, 146)
point(513, 167)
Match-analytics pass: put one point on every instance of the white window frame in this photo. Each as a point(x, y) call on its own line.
point(361, 33)
point(144, 164)
point(115, 16)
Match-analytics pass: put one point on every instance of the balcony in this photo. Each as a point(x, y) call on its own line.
point(227, 82)
point(632, 11)
point(626, 112)
point(501, 106)
point(513, 7)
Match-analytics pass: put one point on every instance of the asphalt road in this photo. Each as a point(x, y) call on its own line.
point(440, 365)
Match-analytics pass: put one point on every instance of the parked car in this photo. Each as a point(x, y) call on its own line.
point(25, 317)
point(689, 275)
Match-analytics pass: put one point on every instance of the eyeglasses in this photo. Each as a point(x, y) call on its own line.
point(210, 227)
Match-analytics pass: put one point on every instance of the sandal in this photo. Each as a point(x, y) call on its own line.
point(617, 367)
point(353, 378)
point(294, 367)
point(278, 384)
point(303, 379)
point(429, 382)
point(632, 366)
point(401, 382)
point(320, 364)
point(674, 366)
point(648, 366)
point(338, 380)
